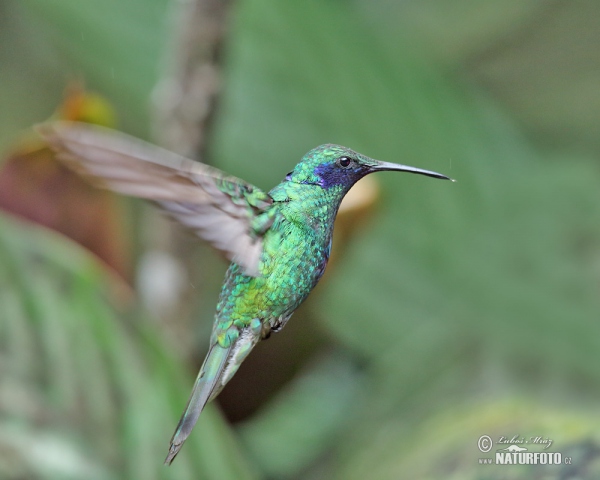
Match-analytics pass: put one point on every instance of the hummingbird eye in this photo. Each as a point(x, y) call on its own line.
point(344, 162)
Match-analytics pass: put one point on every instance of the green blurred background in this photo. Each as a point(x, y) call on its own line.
point(453, 311)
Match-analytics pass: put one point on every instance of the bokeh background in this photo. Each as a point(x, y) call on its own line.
point(451, 311)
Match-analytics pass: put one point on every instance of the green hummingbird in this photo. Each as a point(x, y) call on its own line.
point(278, 242)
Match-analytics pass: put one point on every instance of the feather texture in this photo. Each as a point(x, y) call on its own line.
point(219, 208)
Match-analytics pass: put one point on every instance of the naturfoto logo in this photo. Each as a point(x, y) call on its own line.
point(514, 451)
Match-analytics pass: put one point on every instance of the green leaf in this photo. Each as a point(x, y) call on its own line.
point(83, 372)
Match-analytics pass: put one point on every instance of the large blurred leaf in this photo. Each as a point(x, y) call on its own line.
point(536, 57)
point(87, 378)
point(488, 283)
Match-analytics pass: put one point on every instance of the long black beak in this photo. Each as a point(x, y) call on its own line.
point(383, 166)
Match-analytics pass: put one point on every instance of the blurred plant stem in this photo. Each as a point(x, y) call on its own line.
point(187, 95)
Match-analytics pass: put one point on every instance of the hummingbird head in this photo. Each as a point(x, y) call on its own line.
point(335, 166)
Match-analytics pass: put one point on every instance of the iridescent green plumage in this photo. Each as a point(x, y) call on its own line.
point(279, 242)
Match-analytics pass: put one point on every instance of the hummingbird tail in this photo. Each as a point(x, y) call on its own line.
point(207, 386)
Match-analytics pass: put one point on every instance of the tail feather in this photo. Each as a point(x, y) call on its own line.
point(207, 385)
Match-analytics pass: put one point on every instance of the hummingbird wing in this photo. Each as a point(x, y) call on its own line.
point(219, 208)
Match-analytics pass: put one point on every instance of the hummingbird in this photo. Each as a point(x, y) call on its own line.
point(278, 242)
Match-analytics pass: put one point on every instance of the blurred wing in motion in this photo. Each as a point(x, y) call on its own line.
point(219, 208)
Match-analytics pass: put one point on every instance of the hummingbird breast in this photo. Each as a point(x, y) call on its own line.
point(295, 253)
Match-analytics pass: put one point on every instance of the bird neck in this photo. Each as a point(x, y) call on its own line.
point(309, 203)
